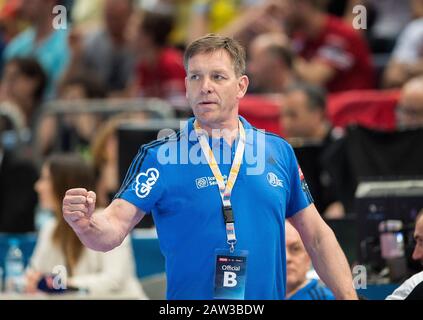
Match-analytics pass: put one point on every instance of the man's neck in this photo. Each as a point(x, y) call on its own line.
point(227, 130)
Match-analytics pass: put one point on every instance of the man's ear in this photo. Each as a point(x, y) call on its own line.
point(243, 83)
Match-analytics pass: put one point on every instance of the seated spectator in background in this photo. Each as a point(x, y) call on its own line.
point(11, 20)
point(406, 60)
point(417, 8)
point(303, 112)
point(101, 274)
point(104, 150)
point(160, 70)
point(21, 92)
point(331, 53)
point(213, 16)
point(418, 237)
point(87, 14)
point(73, 132)
point(270, 63)
point(265, 16)
point(389, 19)
point(298, 263)
point(41, 41)
point(17, 197)
point(11, 24)
point(410, 106)
point(412, 289)
point(107, 53)
point(304, 122)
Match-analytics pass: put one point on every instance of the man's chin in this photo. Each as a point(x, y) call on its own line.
point(206, 117)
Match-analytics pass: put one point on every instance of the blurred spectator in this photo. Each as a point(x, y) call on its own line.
point(22, 88)
point(160, 71)
point(104, 151)
point(270, 64)
point(410, 106)
point(73, 132)
point(42, 41)
point(407, 58)
point(341, 8)
point(418, 237)
point(303, 112)
point(17, 197)
point(298, 263)
point(106, 53)
point(11, 23)
point(266, 16)
point(412, 289)
point(304, 122)
point(417, 8)
point(390, 17)
point(102, 274)
point(211, 16)
point(87, 13)
point(332, 53)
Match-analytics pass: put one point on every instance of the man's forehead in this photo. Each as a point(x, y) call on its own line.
point(217, 59)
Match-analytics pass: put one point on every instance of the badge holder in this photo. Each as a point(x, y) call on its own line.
point(230, 274)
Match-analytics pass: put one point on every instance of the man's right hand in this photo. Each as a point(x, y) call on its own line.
point(78, 207)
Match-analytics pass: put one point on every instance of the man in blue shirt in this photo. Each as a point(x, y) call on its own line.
point(219, 191)
point(298, 263)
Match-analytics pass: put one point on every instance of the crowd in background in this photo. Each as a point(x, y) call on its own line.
point(301, 56)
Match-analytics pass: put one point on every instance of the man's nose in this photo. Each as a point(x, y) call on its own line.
point(206, 86)
point(288, 256)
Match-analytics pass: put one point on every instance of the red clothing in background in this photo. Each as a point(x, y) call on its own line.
point(163, 79)
point(343, 48)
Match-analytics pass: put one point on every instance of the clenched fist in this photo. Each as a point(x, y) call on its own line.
point(78, 207)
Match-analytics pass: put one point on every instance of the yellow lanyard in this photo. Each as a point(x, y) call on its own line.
point(224, 190)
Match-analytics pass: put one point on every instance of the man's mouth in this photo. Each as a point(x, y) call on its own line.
point(205, 103)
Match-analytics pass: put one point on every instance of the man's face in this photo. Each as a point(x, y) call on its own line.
point(410, 107)
point(261, 66)
point(297, 118)
point(297, 260)
point(15, 85)
point(213, 89)
point(418, 237)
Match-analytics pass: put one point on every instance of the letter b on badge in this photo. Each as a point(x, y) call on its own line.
point(229, 279)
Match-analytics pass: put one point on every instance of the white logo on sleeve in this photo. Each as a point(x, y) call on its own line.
point(145, 182)
point(274, 180)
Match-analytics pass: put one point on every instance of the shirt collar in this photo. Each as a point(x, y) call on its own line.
point(189, 131)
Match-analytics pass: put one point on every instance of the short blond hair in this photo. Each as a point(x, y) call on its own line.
point(213, 42)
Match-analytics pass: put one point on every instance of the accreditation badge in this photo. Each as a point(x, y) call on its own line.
point(230, 274)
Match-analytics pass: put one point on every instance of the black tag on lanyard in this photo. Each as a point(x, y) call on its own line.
point(228, 214)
